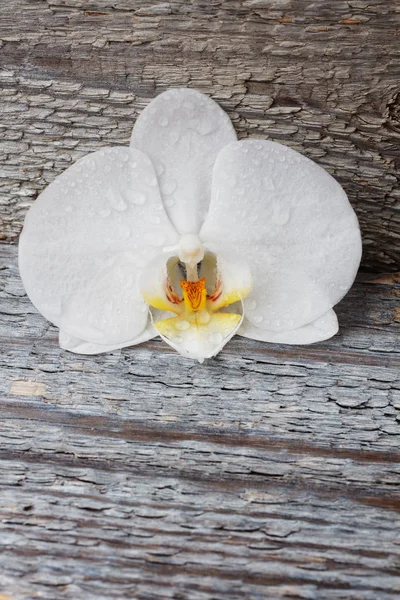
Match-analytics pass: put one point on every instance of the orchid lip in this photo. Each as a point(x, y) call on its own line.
point(206, 312)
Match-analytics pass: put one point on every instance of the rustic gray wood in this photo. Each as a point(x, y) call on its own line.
point(322, 77)
point(269, 472)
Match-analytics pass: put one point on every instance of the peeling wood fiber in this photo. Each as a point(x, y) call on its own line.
point(321, 77)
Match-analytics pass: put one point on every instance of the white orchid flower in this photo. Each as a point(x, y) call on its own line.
point(192, 235)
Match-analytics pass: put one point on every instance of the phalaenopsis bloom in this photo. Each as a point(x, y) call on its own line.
point(191, 235)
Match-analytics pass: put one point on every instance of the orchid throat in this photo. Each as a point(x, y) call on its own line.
point(206, 313)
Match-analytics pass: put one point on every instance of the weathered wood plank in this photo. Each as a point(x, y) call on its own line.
point(268, 472)
point(321, 77)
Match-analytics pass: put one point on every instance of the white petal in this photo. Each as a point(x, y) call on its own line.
point(79, 346)
point(293, 224)
point(322, 328)
point(85, 241)
point(182, 132)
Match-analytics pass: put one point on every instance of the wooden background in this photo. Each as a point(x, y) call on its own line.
point(271, 471)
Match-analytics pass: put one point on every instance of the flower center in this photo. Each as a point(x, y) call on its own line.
point(194, 294)
point(199, 289)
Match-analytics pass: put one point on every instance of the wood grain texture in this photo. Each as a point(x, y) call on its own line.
point(322, 77)
point(268, 472)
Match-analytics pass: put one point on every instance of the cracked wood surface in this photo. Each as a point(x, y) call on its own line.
point(320, 76)
point(269, 472)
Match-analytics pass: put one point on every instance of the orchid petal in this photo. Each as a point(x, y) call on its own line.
point(85, 241)
point(294, 226)
point(79, 346)
point(321, 329)
point(182, 132)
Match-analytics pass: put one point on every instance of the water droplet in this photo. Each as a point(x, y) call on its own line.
point(251, 304)
point(203, 317)
point(106, 212)
point(258, 319)
point(155, 219)
point(146, 161)
point(125, 157)
point(168, 187)
point(182, 325)
point(163, 121)
point(151, 180)
point(116, 200)
point(169, 202)
point(160, 169)
point(68, 208)
point(139, 198)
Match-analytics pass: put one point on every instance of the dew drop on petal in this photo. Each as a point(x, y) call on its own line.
point(182, 325)
point(151, 180)
point(258, 319)
point(139, 198)
point(203, 317)
point(251, 304)
point(106, 212)
point(163, 121)
point(169, 202)
point(116, 201)
point(160, 169)
point(168, 187)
